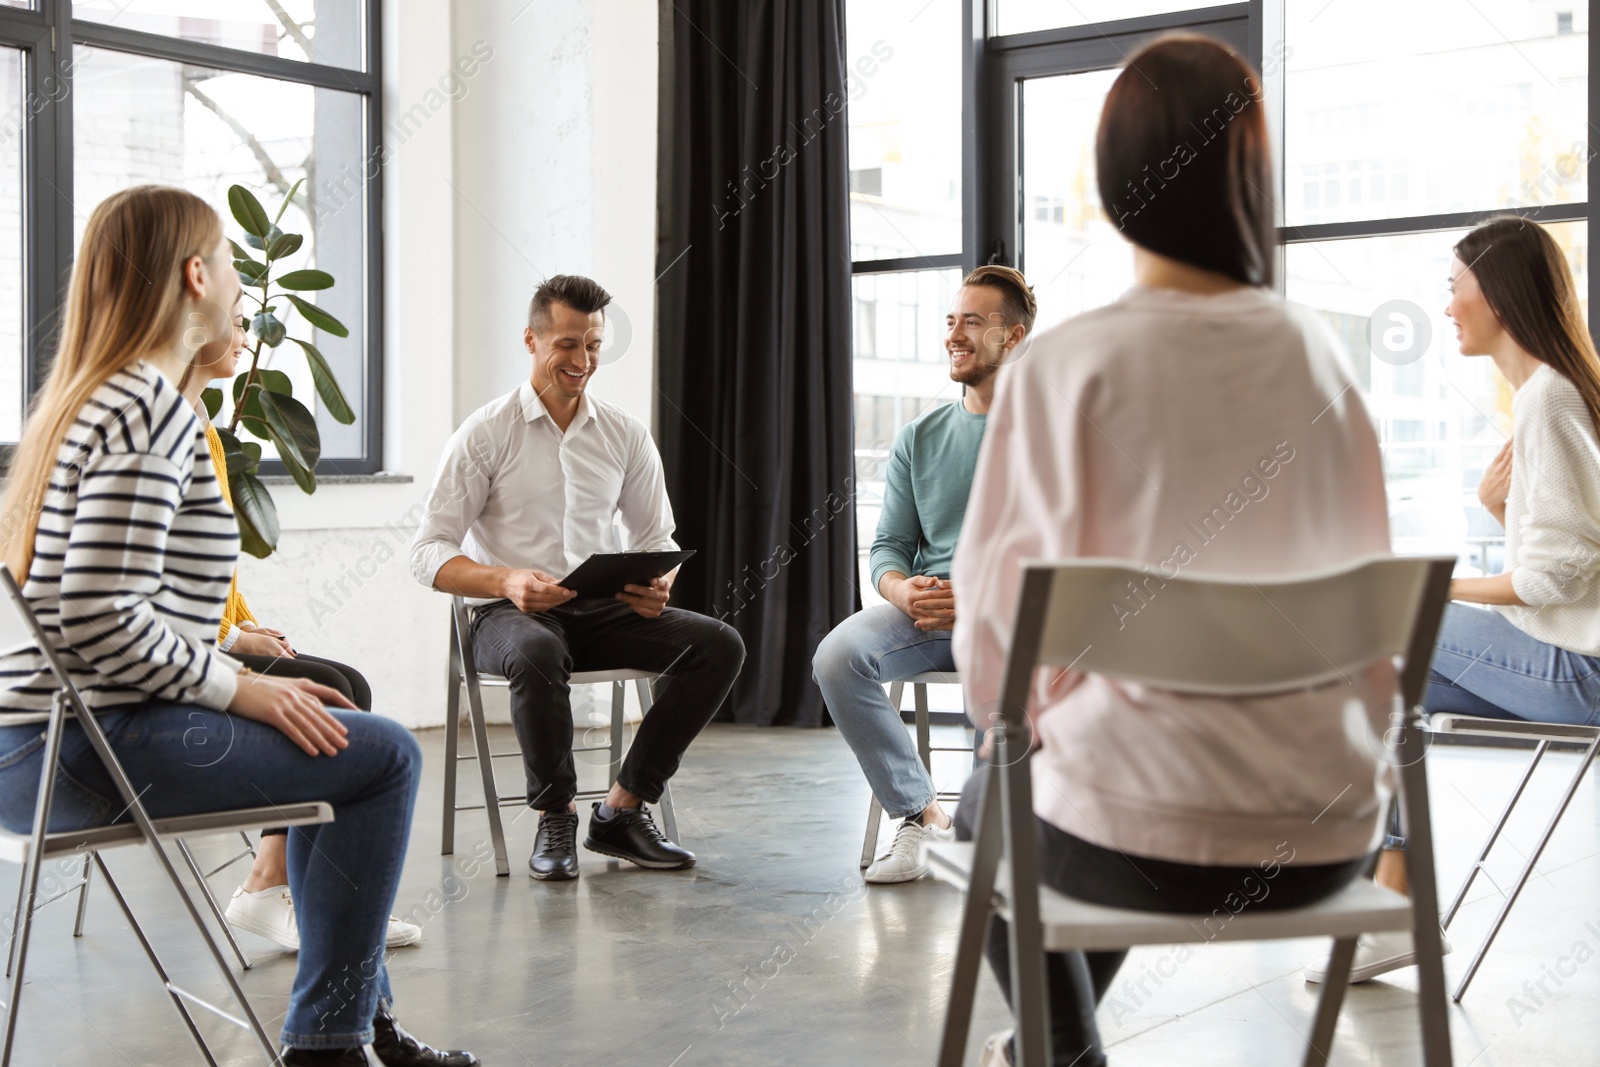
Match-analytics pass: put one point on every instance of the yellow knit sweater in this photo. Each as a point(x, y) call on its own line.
point(234, 611)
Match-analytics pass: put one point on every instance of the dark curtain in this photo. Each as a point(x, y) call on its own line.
point(754, 388)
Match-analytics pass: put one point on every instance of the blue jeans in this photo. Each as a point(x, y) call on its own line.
point(1484, 666)
point(184, 760)
point(877, 645)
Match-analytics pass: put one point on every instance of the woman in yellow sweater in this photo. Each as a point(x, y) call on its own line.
point(262, 905)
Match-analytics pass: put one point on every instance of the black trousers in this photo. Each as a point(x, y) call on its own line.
point(1075, 982)
point(331, 673)
point(697, 657)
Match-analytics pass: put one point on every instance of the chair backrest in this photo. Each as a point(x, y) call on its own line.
point(1233, 636)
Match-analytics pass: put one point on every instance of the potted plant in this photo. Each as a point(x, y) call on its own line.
point(264, 406)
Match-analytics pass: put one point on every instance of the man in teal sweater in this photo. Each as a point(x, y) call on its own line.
point(924, 501)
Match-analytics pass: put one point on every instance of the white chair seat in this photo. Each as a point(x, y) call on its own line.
point(1074, 924)
point(579, 678)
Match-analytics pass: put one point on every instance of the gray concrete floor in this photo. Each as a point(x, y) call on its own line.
point(633, 967)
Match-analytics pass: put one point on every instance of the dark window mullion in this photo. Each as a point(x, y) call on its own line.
point(47, 196)
point(217, 57)
point(1458, 220)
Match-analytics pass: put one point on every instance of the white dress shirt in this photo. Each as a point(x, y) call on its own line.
point(514, 491)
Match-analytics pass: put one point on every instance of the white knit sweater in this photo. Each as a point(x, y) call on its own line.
point(1553, 515)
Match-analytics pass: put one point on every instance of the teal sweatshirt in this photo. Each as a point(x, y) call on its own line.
point(925, 492)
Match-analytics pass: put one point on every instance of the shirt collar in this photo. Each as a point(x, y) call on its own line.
point(533, 408)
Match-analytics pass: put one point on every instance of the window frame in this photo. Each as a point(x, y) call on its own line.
point(46, 35)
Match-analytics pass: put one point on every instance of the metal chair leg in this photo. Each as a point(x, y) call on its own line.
point(480, 740)
point(211, 902)
point(669, 818)
point(1320, 1046)
point(618, 692)
point(83, 895)
point(1494, 835)
point(919, 700)
point(155, 961)
point(869, 845)
point(1431, 1004)
point(1527, 870)
point(452, 743)
point(974, 927)
point(28, 892)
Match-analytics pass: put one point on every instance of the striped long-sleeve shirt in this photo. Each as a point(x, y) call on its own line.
point(133, 557)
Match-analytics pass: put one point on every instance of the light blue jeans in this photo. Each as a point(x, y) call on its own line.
point(343, 875)
point(1483, 665)
point(877, 645)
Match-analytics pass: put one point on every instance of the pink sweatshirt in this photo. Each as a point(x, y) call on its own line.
point(1217, 435)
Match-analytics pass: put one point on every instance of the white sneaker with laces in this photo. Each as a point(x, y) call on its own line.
point(903, 862)
point(1375, 954)
point(997, 1050)
point(270, 914)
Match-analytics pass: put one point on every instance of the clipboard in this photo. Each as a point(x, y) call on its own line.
point(605, 573)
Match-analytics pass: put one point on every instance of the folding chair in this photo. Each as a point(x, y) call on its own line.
point(31, 850)
point(925, 748)
point(465, 674)
point(1545, 734)
point(1205, 636)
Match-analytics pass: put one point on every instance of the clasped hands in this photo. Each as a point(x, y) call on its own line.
point(533, 591)
point(931, 602)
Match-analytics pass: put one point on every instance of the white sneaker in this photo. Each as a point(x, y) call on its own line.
point(903, 862)
point(1375, 954)
point(997, 1050)
point(270, 914)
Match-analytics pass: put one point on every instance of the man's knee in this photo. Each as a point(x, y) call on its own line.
point(835, 655)
point(722, 644)
point(538, 658)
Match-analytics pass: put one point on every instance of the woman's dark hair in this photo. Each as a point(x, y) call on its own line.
point(1183, 162)
point(1528, 285)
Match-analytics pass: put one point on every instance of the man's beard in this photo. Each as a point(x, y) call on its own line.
point(974, 375)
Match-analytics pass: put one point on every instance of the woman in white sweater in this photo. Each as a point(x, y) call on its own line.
point(1201, 425)
point(1536, 654)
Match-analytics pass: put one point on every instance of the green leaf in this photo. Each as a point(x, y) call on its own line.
point(252, 452)
point(306, 279)
point(247, 211)
point(284, 244)
point(305, 479)
point(319, 318)
point(295, 188)
point(269, 328)
point(249, 405)
point(333, 400)
point(240, 251)
point(250, 271)
point(257, 515)
point(256, 242)
point(292, 428)
point(212, 398)
point(240, 459)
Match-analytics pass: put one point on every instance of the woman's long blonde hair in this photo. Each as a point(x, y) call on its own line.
point(126, 299)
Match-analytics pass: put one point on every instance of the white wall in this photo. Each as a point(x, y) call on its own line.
point(544, 163)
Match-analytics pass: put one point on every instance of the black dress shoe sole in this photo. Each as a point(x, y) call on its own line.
point(655, 865)
point(554, 876)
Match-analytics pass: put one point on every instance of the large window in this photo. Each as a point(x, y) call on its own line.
point(98, 95)
point(1400, 126)
point(1394, 144)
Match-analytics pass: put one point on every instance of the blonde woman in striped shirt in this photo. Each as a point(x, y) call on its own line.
point(114, 523)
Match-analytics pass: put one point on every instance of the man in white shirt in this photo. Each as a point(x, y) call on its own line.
point(529, 487)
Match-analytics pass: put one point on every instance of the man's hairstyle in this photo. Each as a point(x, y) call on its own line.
point(1018, 303)
point(574, 290)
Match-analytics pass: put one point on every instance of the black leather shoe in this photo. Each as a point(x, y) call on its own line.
point(308, 1057)
point(396, 1048)
point(631, 835)
point(555, 855)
